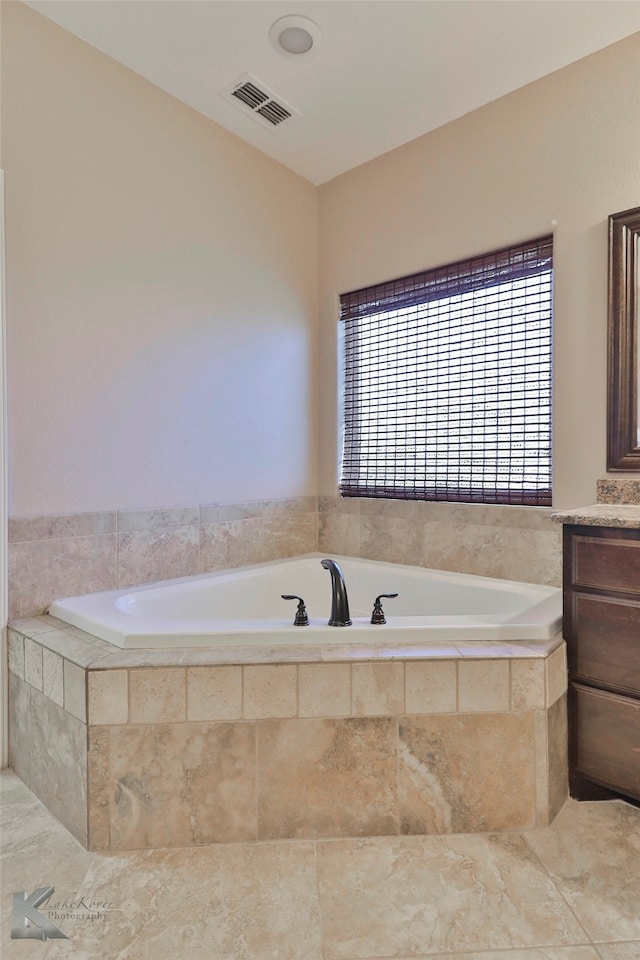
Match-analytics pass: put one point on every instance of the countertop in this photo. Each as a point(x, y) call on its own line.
point(602, 515)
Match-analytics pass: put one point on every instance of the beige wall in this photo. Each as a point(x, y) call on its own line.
point(560, 154)
point(162, 290)
point(162, 301)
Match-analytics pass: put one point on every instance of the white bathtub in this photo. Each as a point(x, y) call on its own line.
point(245, 606)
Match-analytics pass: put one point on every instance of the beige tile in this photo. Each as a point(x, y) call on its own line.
point(99, 788)
point(326, 778)
point(41, 571)
point(289, 507)
point(498, 649)
point(108, 696)
point(541, 738)
point(15, 643)
point(157, 695)
point(459, 898)
point(33, 663)
point(214, 546)
point(523, 953)
point(19, 710)
point(160, 553)
point(483, 685)
point(557, 676)
point(53, 676)
point(377, 689)
point(157, 519)
point(496, 549)
point(60, 526)
point(535, 558)
point(59, 763)
point(620, 951)
point(75, 645)
point(214, 693)
point(226, 902)
point(324, 689)
point(592, 853)
point(34, 626)
point(339, 533)
point(182, 784)
point(233, 543)
point(466, 773)
point(37, 850)
point(289, 536)
point(75, 697)
point(394, 898)
point(214, 513)
point(345, 506)
point(558, 760)
point(431, 686)
point(412, 511)
point(392, 540)
point(270, 690)
point(528, 684)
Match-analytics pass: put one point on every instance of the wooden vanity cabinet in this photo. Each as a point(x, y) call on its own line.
point(602, 630)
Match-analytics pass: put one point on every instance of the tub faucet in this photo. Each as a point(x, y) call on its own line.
point(339, 600)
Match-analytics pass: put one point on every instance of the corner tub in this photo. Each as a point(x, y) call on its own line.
point(240, 726)
point(244, 606)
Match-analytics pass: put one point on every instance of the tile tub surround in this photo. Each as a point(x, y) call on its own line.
point(507, 542)
point(62, 556)
point(51, 557)
point(168, 748)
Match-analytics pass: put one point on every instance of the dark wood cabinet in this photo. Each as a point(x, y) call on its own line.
point(602, 630)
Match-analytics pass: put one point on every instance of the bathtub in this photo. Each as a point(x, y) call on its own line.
point(244, 606)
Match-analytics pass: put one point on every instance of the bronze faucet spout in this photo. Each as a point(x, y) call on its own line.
point(339, 600)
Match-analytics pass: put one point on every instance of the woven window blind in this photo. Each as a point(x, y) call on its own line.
point(447, 382)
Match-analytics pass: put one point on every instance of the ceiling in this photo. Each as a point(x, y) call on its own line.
point(384, 72)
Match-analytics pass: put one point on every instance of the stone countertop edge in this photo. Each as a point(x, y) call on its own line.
point(602, 515)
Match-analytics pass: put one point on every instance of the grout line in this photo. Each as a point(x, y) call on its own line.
point(321, 923)
point(397, 804)
point(256, 730)
point(537, 856)
point(185, 672)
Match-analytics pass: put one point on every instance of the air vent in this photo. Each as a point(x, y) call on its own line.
point(250, 94)
point(254, 98)
point(274, 112)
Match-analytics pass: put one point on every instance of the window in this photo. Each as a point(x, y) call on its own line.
point(447, 382)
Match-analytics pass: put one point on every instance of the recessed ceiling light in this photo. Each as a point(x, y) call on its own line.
point(294, 36)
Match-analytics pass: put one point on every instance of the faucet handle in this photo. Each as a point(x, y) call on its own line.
point(378, 613)
point(301, 618)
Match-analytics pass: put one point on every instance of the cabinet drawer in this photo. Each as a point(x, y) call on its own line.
point(608, 739)
point(607, 564)
point(604, 645)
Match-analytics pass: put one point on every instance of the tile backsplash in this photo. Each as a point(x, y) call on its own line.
point(61, 556)
point(507, 542)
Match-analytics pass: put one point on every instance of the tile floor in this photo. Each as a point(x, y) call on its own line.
point(570, 891)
